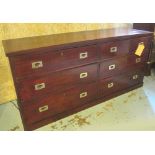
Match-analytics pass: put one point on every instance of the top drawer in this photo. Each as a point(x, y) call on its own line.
point(116, 48)
point(141, 40)
point(53, 61)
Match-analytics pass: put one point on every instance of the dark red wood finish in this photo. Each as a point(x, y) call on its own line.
point(58, 81)
point(151, 59)
point(79, 108)
point(120, 82)
point(54, 61)
point(136, 60)
point(116, 48)
point(113, 66)
point(62, 67)
point(59, 102)
point(134, 43)
point(53, 42)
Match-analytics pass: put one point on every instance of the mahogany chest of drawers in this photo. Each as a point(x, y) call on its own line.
point(58, 75)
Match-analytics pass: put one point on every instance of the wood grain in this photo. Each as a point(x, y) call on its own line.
point(62, 67)
point(28, 44)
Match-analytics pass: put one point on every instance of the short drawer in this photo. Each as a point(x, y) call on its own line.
point(35, 64)
point(54, 104)
point(134, 43)
point(113, 67)
point(112, 49)
point(117, 83)
point(30, 88)
point(136, 60)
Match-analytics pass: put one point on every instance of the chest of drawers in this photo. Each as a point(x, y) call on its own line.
point(58, 75)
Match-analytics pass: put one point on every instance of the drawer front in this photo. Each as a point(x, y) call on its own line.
point(53, 61)
point(114, 84)
point(117, 48)
point(112, 67)
point(54, 104)
point(136, 60)
point(59, 81)
point(146, 41)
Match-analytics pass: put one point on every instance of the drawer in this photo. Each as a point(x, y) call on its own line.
point(37, 64)
point(117, 48)
point(136, 60)
point(113, 67)
point(57, 103)
point(30, 88)
point(117, 83)
point(142, 40)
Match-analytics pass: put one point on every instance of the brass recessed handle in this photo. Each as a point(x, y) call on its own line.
point(113, 49)
point(44, 108)
point(138, 60)
point(111, 67)
point(37, 64)
point(83, 75)
point(135, 77)
point(110, 85)
point(83, 55)
point(84, 94)
point(39, 86)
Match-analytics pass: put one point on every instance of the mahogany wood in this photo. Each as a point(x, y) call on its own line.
point(53, 61)
point(77, 109)
point(122, 48)
point(78, 70)
point(59, 102)
point(57, 81)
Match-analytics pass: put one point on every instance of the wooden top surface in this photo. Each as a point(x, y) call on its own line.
point(15, 46)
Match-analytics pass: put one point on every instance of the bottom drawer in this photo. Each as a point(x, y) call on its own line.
point(120, 82)
point(58, 103)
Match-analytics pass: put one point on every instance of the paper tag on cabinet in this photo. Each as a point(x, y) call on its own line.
point(140, 49)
